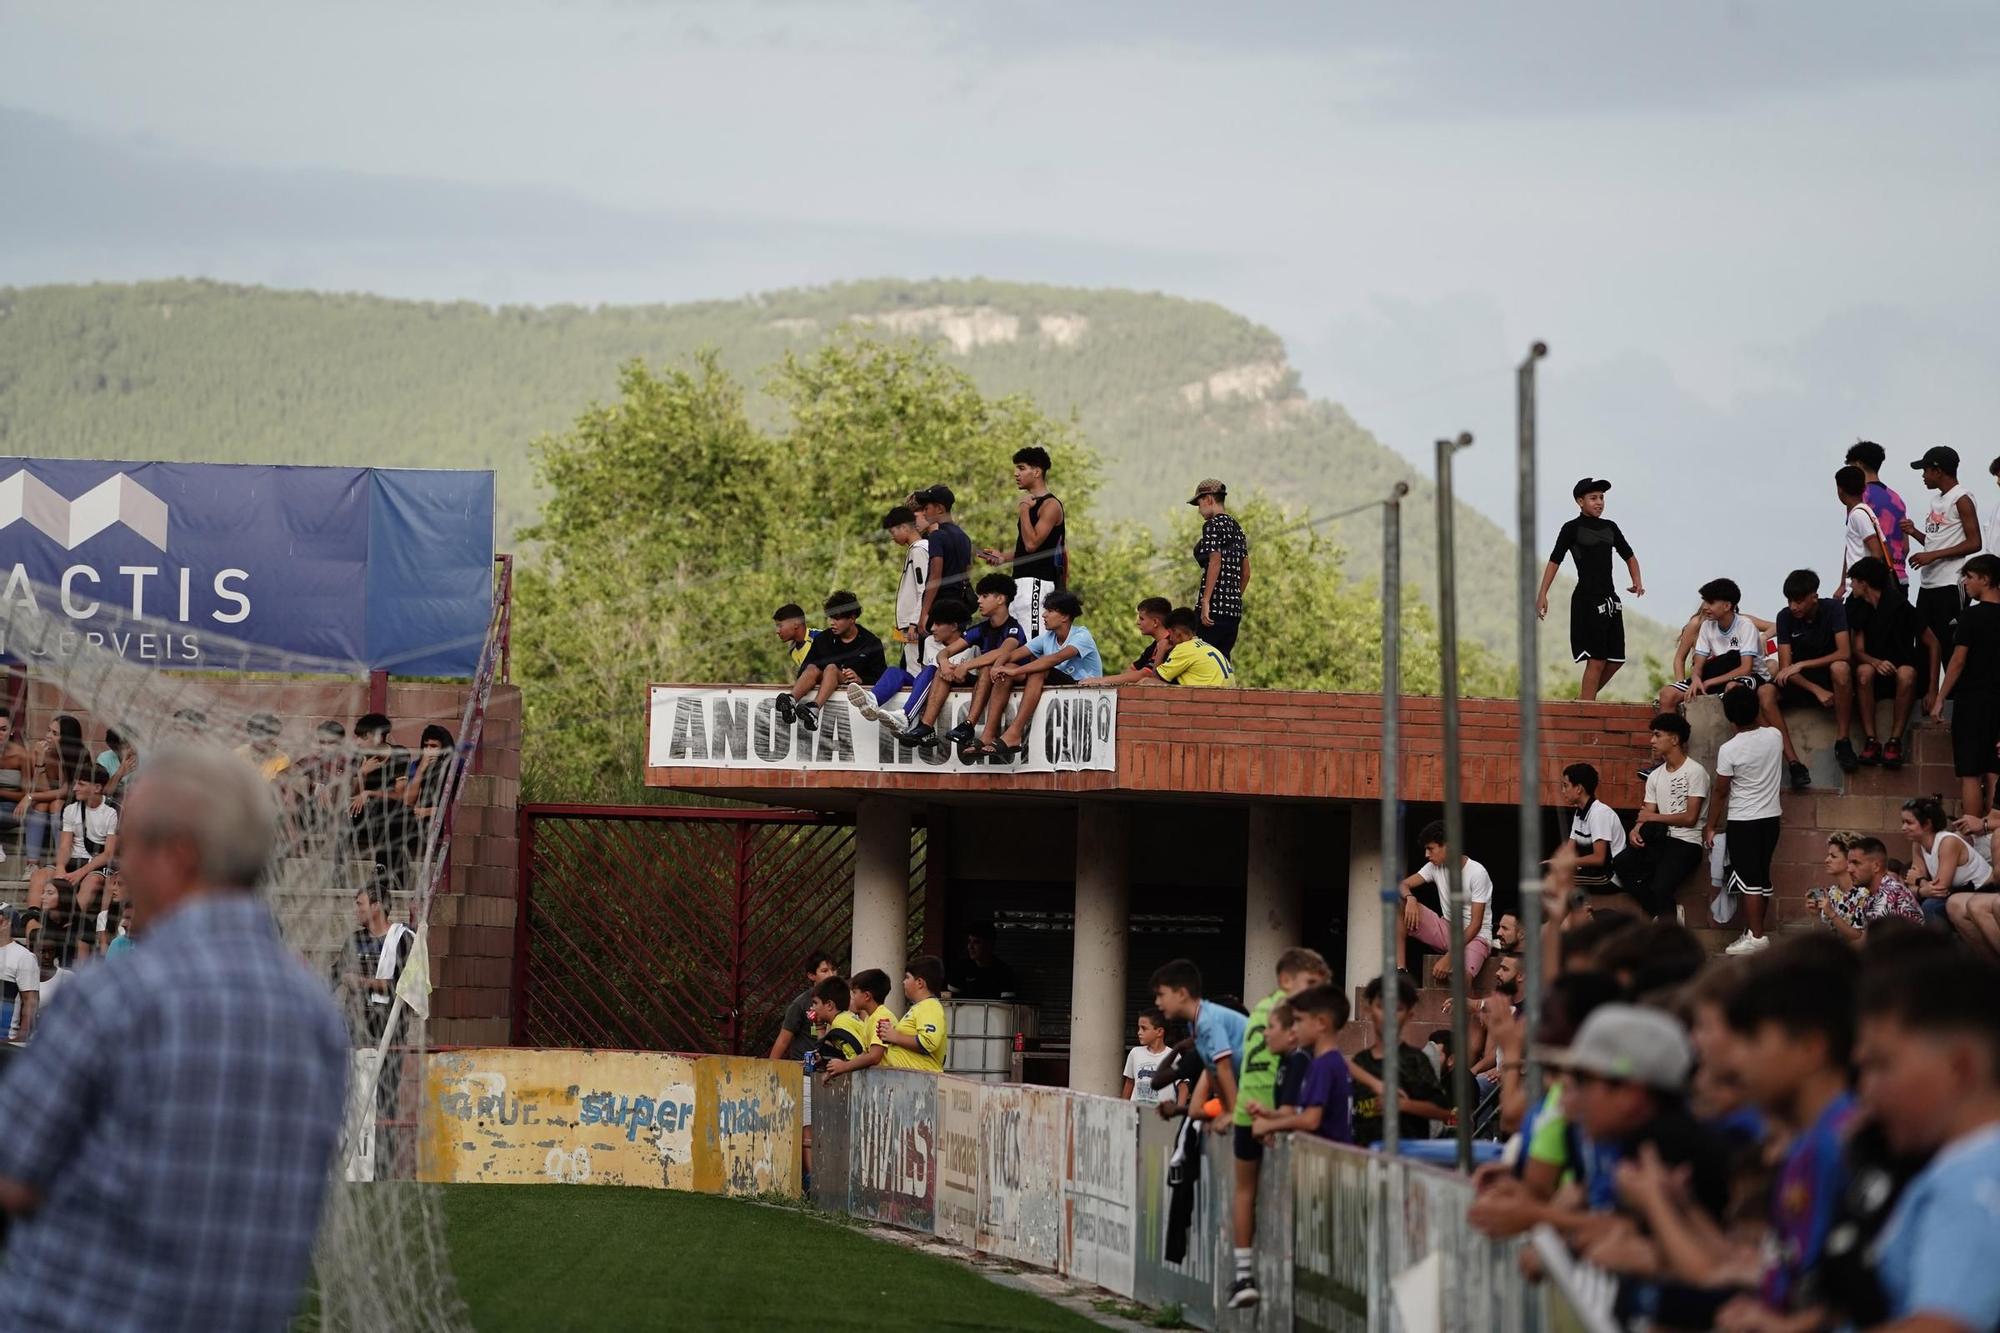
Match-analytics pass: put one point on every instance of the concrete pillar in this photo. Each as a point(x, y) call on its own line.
point(1364, 893)
point(1273, 894)
point(882, 891)
point(1097, 986)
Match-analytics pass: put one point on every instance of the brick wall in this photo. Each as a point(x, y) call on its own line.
point(472, 918)
point(1282, 743)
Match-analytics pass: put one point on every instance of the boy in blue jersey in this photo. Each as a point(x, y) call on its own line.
point(790, 622)
point(1929, 1055)
point(1063, 654)
point(1793, 1017)
point(966, 657)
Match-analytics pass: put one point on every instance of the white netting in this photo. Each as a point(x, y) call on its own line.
point(381, 1260)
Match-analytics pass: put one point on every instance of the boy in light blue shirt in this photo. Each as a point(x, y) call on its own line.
point(1063, 654)
point(1218, 1033)
point(1929, 1054)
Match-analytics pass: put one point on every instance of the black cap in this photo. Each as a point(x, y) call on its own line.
point(939, 495)
point(1942, 457)
point(1587, 485)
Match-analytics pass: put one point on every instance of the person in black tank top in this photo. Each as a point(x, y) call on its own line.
point(1041, 534)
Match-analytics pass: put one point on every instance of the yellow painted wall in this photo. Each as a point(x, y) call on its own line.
point(747, 1125)
point(578, 1117)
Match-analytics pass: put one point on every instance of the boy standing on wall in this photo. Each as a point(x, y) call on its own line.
point(1596, 619)
point(1257, 1088)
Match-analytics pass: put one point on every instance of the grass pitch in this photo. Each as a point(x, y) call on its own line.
point(550, 1258)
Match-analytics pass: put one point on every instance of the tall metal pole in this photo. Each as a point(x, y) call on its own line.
point(1527, 553)
point(1392, 920)
point(1454, 811)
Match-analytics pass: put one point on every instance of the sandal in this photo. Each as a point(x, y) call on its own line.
point(1002, 753)
point(974, 752)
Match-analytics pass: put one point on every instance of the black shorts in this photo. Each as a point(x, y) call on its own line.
point(1752, 844)
point(1596, 628)
point(1975, 730)
point(1794, 695)
point(1730, 665)
point(1885, 681)
point(1937, 610)
point(1221, 635)
point(1247, 1147)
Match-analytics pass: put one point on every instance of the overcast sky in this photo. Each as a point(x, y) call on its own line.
point(1751, 232)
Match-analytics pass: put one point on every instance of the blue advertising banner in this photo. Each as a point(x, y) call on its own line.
point(383, 568)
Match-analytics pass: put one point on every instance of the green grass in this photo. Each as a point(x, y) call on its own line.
point(549, 1258)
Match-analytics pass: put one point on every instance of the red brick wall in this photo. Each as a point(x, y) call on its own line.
point(1286, 743)
point(472, 919)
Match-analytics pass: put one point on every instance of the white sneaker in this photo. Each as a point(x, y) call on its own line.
point(862, 701)
point(1746, 943)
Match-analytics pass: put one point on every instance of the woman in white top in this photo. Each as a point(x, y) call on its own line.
point(1950, 863)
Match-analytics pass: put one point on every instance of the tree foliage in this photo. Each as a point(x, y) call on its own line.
point(675, 524)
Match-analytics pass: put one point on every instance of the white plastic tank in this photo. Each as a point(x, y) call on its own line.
point(982, 1032)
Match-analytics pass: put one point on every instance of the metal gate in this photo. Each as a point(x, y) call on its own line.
point(676, 928)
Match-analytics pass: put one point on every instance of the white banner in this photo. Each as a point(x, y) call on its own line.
point(1074, 730)
point(1101, 1190)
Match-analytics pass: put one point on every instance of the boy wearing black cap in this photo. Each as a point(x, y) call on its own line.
point(1949, 534)
point(1596, 619)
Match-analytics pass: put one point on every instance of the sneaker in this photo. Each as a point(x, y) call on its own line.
point(1892, 753)
point(1746, 943)
point(1843, 754)
point(920, 734)
point(809, 716)
point(1871, 753)
point(787, 709)
point(1243, 1293)
point(862, 700)
point(1801, 776)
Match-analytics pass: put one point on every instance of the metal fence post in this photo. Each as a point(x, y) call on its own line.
point(1527, 553)
point(1392, 921)
point(1454, 812)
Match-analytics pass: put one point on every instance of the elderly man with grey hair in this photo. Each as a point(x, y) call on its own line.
point(177, 1115)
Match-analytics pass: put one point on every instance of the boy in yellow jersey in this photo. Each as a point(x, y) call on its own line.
point(790, 621)
point(1190, 661)
point(845, 1037)
point(918, 1041)
point(1257, 1091)
point(865, 993)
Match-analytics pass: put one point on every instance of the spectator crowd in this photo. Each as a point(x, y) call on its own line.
point(1003, 638)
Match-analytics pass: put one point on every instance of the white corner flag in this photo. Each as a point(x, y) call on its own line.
point(414, 987)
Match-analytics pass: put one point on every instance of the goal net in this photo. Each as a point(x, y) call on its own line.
point(347, 840)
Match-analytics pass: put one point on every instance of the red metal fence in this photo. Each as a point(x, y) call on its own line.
point(676, 928)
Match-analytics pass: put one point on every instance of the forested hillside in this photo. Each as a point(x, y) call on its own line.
point(1167, 390)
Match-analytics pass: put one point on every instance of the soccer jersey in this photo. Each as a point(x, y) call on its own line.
point(1809, 1188)
point(862, 654)
point(1086, 665)
point(796, 653)
point(845, 1037)
point(1195, 664)
point(1217, 1033)
point(985, 636)
point(1890, 511)
point(1593, 541)
point(1741, 637)
point(869, 1037)
point(1256, 1067)
point(925, 1022)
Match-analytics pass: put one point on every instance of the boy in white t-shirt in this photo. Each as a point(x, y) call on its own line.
point(1145, 1059)
point(1594, 828)
point(1421, 923)
point(1728, 648)
point(20, 983)
point(88, 849)
point(1863, 531)
point(1950, 533)
point(1749, 770)
point(1664, 846)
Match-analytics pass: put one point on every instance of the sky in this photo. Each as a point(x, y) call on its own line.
point(1751, 233)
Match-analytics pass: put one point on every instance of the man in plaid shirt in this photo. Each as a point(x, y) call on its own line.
point(171, 1130)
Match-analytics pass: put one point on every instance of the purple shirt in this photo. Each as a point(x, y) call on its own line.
point(1890, 511)
point(1328, 1087)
